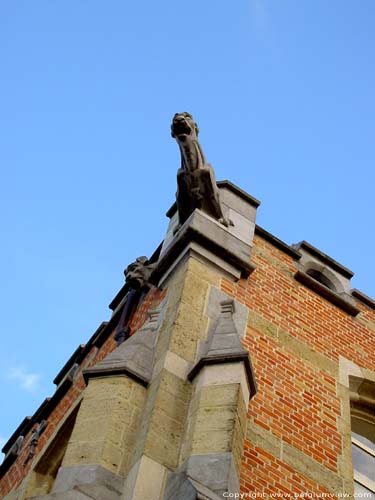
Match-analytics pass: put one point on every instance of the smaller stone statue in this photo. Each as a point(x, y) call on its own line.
point(35, 436)
point(137, 280)
point(195, 179)
point(138, 273)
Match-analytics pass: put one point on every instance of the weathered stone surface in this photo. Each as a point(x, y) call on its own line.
point(224, 346)
point(238, 200)
point(179, 486)
point(216, 471)
point(182, 487)
point(224, 375)
point(145, 480)
point(163, 420)
point(240, 208)
point(84, 476)
point(213, 238)
point(239, 314)
point(134, 358)
point(69, 495)
point(137, 274)
point(106, 426)
point(225, 339)
point(211, 420)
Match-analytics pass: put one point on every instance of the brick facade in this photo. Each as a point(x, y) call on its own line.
point(295, 338)
point(297, 436)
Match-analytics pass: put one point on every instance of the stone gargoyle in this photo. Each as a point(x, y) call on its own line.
point(137, 274)
point(196, 184)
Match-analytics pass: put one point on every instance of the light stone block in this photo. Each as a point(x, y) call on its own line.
point(95, 481)
point(177, 365)
point(224, 374)
point(145, 481)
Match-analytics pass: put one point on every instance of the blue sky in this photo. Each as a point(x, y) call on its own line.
point(284, 96)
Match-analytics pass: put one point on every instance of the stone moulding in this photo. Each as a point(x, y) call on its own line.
point(333, 297)
point(239, 192)
point(211, 235)
point(228, 358)
point(133, 358)
point(363, 298)
point(281, 245)
point(114, 372)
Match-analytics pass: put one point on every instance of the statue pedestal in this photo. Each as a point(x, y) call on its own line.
point(206, 239)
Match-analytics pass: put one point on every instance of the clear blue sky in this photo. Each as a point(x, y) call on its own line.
point(283, 92)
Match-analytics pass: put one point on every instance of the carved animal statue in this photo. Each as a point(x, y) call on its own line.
point(138, 273)
point(195, 179)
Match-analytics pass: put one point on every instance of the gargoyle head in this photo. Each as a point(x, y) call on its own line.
point(183, 126)
point(137, 273)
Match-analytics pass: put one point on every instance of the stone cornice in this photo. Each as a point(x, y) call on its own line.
point(228, 358)
point(289, 250)
point(74, 358)
point(42, 413)
point(338, 300)
point(363, 298)
point(113, 372)
point(210, 234)
point(326, 259)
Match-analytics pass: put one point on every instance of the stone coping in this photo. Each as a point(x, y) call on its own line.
point(210, 234)
point(68, 365)
point(42, 413)
point(21, 430)
point(227, 358)
point(281, 245)
point(363, 298)
point(81, 352)
point(113, 372)
point(6, 464)
point(326, 259)
point(330, 295)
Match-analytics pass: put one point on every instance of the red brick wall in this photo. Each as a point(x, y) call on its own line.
point(263, 473)
point(296, 402)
